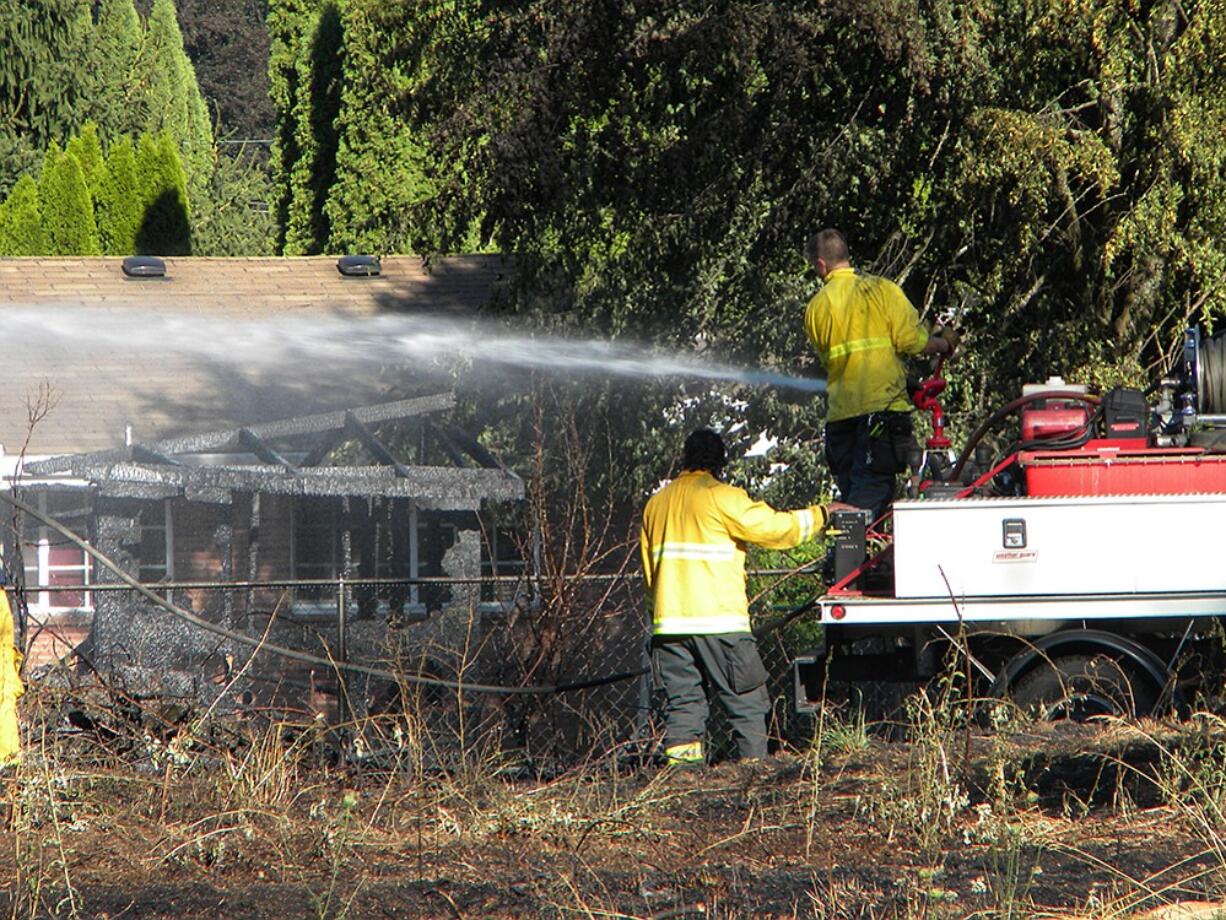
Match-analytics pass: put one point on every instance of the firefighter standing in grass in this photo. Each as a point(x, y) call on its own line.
point(693, 545)
point(862, 327)
point(10, 684)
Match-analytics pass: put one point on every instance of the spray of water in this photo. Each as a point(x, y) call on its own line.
point(306, 341)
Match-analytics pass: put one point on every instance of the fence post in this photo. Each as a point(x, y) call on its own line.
point(342, 627)
point(342, 656)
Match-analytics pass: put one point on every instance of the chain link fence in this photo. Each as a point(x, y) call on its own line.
point(548, 671)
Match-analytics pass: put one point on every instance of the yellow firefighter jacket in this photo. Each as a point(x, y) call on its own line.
point(693, 546)
point(10, 685)
point(860, 324)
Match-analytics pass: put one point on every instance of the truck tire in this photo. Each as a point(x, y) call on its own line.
point(1082, 687)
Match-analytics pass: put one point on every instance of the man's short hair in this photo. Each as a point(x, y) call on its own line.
point(829, 245)
point(704, 450)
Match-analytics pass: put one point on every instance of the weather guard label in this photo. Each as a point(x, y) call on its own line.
point(1015, 555)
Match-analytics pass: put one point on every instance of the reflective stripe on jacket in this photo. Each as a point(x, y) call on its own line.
point(693, 547)
point(860, 324)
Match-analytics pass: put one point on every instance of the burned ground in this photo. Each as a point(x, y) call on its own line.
point(1110, 820)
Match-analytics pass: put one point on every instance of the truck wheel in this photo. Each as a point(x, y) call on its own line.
point(1081, 687)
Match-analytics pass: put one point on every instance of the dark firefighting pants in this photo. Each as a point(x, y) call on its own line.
point(849, 453)
point(727, 665)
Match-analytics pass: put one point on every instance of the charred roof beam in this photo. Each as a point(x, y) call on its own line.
point(221, 440)
point(356, 429)
point(251, 442)
point(438, 484)
point(314, 424)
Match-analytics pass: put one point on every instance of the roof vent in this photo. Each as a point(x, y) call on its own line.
point(144, 267)
point(358, 266)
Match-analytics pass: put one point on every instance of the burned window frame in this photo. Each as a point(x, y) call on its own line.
point(36, 553)
point(145, 569)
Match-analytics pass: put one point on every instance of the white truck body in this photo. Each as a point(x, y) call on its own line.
point(1008, 547)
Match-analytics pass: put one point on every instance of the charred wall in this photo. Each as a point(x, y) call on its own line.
point(430, 627)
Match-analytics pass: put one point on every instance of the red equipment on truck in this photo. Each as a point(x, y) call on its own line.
point(1082, 568)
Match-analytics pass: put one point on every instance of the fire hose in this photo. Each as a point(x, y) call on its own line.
point(1006, 410)
point(294, 654)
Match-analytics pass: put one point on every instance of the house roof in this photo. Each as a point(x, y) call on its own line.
point(286, 457)
point(114, 360)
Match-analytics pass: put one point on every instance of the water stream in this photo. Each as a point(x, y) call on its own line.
point(307, 341)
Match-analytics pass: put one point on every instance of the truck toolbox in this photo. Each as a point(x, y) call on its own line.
point(997, 547)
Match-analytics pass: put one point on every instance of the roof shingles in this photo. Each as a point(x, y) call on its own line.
point(99, 392)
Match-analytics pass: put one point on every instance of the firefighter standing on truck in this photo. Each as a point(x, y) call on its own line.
point(693, 545)
point(862, 327)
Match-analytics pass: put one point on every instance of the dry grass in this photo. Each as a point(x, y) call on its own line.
point(948, 823)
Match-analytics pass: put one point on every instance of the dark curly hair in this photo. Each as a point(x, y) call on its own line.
point(704, 450)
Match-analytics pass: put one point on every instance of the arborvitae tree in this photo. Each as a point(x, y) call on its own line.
point(120, 203)
point(21, 221)
point(175, 103)
point(88, 151)
point(315, 109)
point(355, 124)
point(68, 210)
point(60, 67)
point(382, 164)
point(119, 105)
point(164, 228)
point(287, 28)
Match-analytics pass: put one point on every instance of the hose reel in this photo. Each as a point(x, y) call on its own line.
point(1210, 374)
point(1191, 400)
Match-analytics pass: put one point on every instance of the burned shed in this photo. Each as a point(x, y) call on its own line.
point(249, 525)
point(267, 497)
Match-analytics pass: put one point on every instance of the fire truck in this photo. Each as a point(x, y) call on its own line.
point(1080, 572)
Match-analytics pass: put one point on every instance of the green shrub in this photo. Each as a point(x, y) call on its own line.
point(88, 151)
point(120, 202)
point(21, 221)
point(164, 228)
point(67, 209)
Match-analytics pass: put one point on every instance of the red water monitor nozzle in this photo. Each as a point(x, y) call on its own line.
point(925, 399)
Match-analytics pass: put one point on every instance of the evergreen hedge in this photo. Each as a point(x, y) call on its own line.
point(67, 208)
point(164, 228)
point(120, 201)
point(21, 221)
